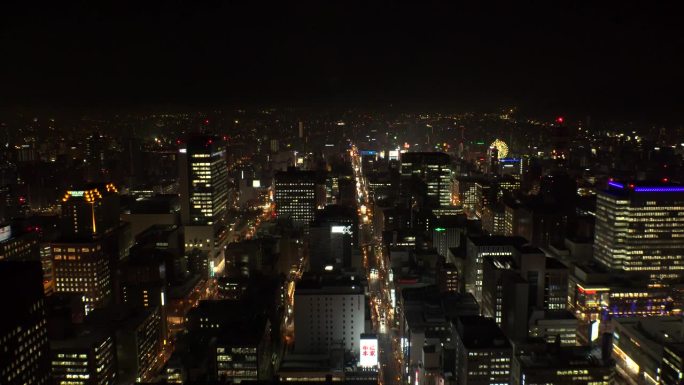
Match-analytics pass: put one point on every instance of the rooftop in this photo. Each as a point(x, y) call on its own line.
point(477, 332)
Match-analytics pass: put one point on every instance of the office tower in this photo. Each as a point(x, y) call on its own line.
point(158, 210)
point(295, 195)
point(85, 358)
point(203, 178)
point(434, 169)
point(480, 247)
point(89, 211)
point(507, 185)
point(512, 167)
point(425, 323)
point(203, 181)
point(24, 349)
point(493, 165)
point(447, 278)
point(330, 309)
point(144, 279)
point(640, 227)
point(494, 219)
point(137, 335)
point(547, 277)
point(83, 268)
point(483, 353)
point(93, 242)
point(466, 190)
point(563, 366)
point(234, 340)
point(241, 350)
point(505, 295)
point(553, 326)
point(447, 233)
point(486, 195)
point(561, 136)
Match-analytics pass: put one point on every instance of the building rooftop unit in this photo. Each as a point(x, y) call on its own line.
point(334, 283)
point(634, 189)
point(90, 192)
point(595, 273)
point(83, 339)
point(479, 332)
point(654, 331)
point(422, 157)
point(498, 240)
point(424, 306)
point(564, 358)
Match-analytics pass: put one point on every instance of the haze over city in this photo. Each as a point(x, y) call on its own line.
point(390, 193)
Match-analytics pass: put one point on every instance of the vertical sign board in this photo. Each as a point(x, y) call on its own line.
point(368, 351)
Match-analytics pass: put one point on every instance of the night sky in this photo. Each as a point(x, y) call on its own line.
point(617, 59)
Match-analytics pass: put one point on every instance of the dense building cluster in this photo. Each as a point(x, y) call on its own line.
point(290, 246)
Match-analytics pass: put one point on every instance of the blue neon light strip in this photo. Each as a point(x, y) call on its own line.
point(509, 160)
point(616, 185)
point(659, 189)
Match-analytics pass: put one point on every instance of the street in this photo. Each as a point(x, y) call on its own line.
point(376, 265)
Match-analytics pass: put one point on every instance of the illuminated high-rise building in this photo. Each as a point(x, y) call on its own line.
point(330, 309)
point(16, 246)
point(203, 178)
point(640, 227)
point(83, 268)
point(86, 358)
point(295, 195)
point(483, 353)
point(89, 211)
point(92, 243)
point(433, 168)
point(24, 349)
point(203, 181)
point(480, 247)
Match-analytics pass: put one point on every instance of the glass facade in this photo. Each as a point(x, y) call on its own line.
point(641, 230)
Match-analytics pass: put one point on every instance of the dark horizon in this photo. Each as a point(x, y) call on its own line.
point(614, 62)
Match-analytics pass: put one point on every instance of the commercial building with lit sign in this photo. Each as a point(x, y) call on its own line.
point(564, 366)
point(649, 349)
point(90, 211)
point(368, 351)
point(596, 294)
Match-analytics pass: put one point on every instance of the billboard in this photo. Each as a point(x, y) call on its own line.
point(594, 330)
point(368, 351)
point(5, 233)
point(341, 229)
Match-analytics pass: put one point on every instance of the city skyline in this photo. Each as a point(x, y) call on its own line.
point(445, 193)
